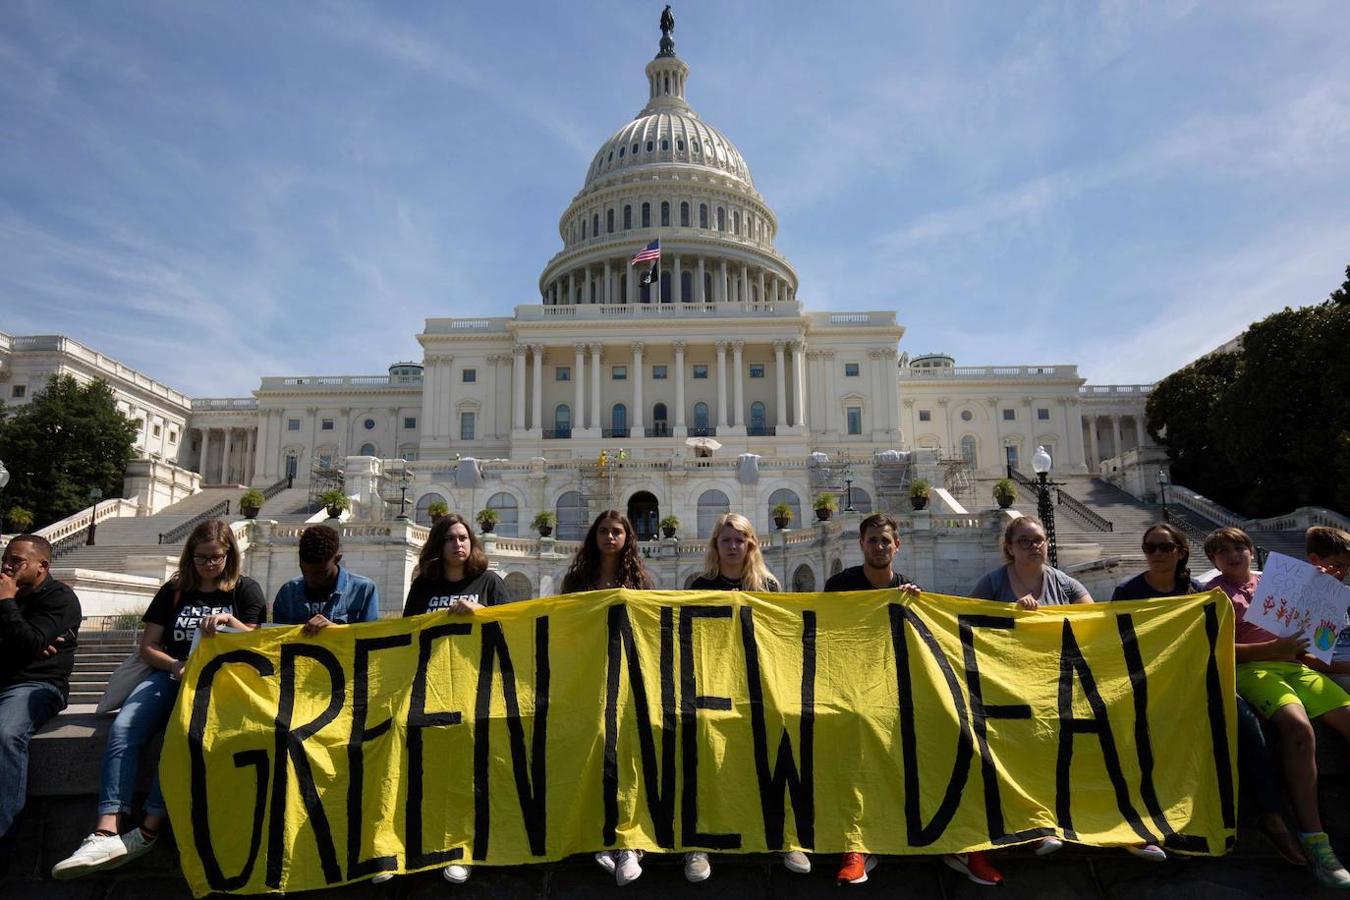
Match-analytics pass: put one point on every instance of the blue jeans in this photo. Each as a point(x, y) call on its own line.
point(24, 707)
point(143, 716)
point(1256, 768)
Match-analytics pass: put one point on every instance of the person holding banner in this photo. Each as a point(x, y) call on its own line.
point(1026, 578)
point(1168, 554)
point(325, 593)
point(1272, 677)
point(207, 593)
point(452, 572)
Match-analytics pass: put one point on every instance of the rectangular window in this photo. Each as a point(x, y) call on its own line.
point(18, 391)
point(658, 373)
point(925, 415)
point(757, 370)
point(619, 373)
point(850, 370)
point(325, 460)
point(158, 430)
point(292, 424)
point(326, 425)
point(409, 422)
point(469, 376)
point(855, 420)
point(466, 423)
point(700, 372)
point(1010, 415)
point(1043, 415)
point(410, 454)
point(173, 437)
point(562, 373)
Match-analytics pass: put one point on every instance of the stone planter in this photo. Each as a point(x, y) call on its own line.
point(782, 522)
point(250, 512)
point(486, 527)
point(334, 512)
point(918, 502)
point(668, 532)
point(545, 530)
point(824, 514)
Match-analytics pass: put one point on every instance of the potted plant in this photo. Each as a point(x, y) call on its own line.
point(335, 502)
point(436, 509)
point(782, 515)
point(487, 519)
point(20, 519)
point(825, 504)
point(251, 502)
point(543, 523)
point(919, 492)
point(669, 525)
point(1005, 492)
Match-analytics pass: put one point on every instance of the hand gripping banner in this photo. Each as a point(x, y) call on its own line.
point(669, 720)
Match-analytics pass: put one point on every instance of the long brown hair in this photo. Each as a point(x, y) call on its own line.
point(186, 580)
point(755, 575)
point(431, 561)
point(584, 571)
point(1182, 574)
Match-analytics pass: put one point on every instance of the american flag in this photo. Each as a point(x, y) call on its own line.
point(649, 253)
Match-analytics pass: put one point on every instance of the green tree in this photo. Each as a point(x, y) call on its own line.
point(1182, 415)
point(68, 439)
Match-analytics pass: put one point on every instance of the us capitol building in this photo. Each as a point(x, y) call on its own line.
point(712, 388)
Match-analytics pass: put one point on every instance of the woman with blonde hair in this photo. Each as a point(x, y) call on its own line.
point(733, 561)
point(208, 592)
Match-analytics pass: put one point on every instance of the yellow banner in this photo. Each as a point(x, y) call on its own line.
point(670, 720)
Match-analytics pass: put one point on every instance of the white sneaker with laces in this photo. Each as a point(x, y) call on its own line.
point(797, 861)
point(696, 866)
point(97, 852)
point(457, 874)
point(605, 859)
point(627, 866)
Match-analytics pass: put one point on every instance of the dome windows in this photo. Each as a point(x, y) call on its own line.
point(665, 143)
point(646, 215)
point(627, 218)
point(595, 225)
point(721, 219)
point(609, 221)
point(684, 214)
point(635, 146)
point(679, 144)
point(735, 222)
point(620, 153)
point(703, 215)
point(650, 144)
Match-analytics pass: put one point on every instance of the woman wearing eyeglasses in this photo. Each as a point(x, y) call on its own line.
point(1026, 578)
point(1168, 554)
point(208, 592)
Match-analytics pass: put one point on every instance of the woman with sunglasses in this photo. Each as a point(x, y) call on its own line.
point(207, 593)
point(1168, 554)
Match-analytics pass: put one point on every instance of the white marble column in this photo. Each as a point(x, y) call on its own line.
point(1139, 431)
point(596, 423)
point(831, 381)
point(1115, 436)
point(518, 386)
point(571, 289)
point(225, 457)
point(799, 385)
point(250, 451)
point(631, 284)
point(680, 429)
point(676, 295)
point(609, 283)
point(721, 349)
point(537, 421)
point(699, 294)
point(639, 429)
point(1095, 452)
point(586, 296)
point(738, 408)
point(201, 458)
point(579, 389)
point(762, 296)
point(723, 284)
point(745, 283)
point(780, 418)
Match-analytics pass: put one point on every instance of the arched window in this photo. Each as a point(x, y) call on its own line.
point(659, 420)
point(292, 464)
point(700, 415)
point(736, 222)
point(721, 219)
point(583, 229)
point(968, 448)
point(803, 580)
point(571, 513)
point(708, 295)
point(627, 217)
point(420, 514)
point(686, 287)
point(665, 287)
point(711, 505)
point(757, 417)
point(518, 587)
point(788, 496)
point(646, 215)
point(609, 221)
point(562, 421)
point(862, 501)
point(368, 450)
point(595, 224)
point(703, 215)
point(618, 421)
point(684, 213)
point(508, 514)
point(665, 214)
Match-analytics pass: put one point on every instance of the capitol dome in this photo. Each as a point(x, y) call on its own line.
point(668, 176)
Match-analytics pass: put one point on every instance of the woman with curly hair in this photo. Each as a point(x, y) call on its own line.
point(609, 557)
point(733, 561)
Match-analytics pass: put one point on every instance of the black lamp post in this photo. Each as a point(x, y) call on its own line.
point(848, 487)
point(403, 495)
point(1040, 464)
point(95, 495)
point(1162, 486)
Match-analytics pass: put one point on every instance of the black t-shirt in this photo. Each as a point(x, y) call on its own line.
point(426, 595)
point(722, 583)
point(246, 603)
point(854, 578)
point(1138, 588)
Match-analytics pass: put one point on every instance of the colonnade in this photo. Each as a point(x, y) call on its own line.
point(216, 461)
point(711, 280)
point(1094, 451)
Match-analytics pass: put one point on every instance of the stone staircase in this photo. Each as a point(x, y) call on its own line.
point(97, 656)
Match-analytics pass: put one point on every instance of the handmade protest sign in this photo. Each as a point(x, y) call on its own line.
point(1295, 596)
point(720, 720)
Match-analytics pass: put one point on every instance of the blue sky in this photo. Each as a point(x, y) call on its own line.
point(216, 192)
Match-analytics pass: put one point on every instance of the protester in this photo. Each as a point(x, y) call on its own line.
point(1329, 549)
point(1273, 678)
point(326, 593)
point(207, 593)
point(879, 539)
point(1168, 553)
point(452, 574)
point(37, 612)
point(733, 562)
point(1025, 578)
point(609, 558)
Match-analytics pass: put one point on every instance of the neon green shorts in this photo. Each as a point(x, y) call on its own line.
point(1270, 685)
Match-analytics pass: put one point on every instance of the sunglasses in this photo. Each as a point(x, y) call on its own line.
point(1160, 547)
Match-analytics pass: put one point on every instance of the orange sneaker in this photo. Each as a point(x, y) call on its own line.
point(975, 866)
point(853, 868)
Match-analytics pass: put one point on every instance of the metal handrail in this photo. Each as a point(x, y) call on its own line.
point(178, 532)
point(277, 487)
point(1080, 512)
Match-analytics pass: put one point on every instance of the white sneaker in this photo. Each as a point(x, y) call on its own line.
point(382, 878)
point(696, 866)
point(457, 874)
point(1047, 845)
point(627, 867)
point(1150, 852)
point(605, 859)
point(102, 851)
point(797, 861)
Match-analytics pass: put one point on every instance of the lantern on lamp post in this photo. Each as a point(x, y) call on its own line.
point(1040, 464)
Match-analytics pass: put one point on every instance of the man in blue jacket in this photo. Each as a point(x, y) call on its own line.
point(326, 593)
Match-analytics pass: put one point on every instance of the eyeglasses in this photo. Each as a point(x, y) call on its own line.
point(1160, 547)
point(1029, 543)
point(208, 560)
